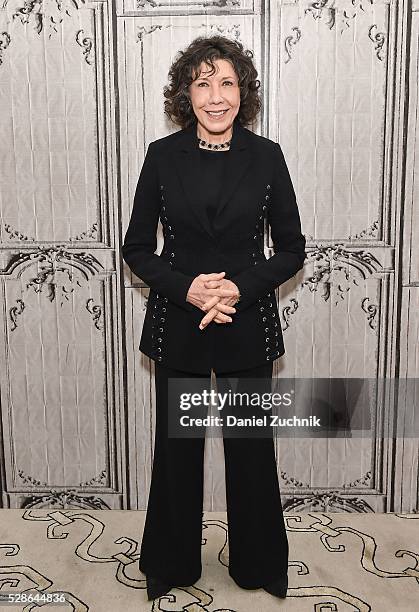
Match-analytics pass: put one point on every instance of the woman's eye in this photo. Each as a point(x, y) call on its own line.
point(230, 82)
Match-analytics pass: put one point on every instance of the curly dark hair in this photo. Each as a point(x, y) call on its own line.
point(185, 69)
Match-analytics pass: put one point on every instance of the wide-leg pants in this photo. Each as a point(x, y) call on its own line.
point(171, 543)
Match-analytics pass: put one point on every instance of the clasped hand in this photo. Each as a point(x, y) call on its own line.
point(214, 294)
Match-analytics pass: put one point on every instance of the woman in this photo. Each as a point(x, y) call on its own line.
point(212, 306)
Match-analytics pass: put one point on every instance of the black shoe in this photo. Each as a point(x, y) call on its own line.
point(278, 587)
point(156, 588)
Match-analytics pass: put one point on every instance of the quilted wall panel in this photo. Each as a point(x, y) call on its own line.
point(81, 97)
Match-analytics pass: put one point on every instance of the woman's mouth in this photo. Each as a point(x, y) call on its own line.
point(217, 114)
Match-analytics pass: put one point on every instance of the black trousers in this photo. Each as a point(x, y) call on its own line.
point(171, 543)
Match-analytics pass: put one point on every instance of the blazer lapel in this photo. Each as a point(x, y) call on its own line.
point(187, 162)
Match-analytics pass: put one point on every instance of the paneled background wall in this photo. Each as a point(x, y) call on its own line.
point(80, 99)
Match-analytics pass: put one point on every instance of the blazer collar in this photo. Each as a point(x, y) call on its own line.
point(187, 163)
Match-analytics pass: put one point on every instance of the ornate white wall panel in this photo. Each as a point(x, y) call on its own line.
point(81, 97)
point(63, 440)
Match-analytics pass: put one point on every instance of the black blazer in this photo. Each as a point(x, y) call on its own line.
point(257, 186)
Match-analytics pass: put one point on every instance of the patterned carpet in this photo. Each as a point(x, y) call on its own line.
point(338, 562)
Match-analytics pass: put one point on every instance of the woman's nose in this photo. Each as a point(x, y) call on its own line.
point(215, 94)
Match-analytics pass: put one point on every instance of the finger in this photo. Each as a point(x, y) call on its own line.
point(208, 318)
point(211, 303)
point(213, 275)
point(230, 301)
point(211, 316)
point(218, 319)
point(224, 308)
point(212, 284)
point(208, 305)
point(223, 292)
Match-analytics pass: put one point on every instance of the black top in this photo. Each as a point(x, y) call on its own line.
point(212, 166)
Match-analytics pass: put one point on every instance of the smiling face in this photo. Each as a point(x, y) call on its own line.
point(215, 101)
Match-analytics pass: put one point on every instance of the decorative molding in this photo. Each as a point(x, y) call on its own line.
point(147, 4)
point(337, 259)
point(45, 13)
point(85, 43)
point(371, 230)
point(232, 31)
point(101, 479)
point(329, 255)
point(371, 311)
point(324, 500)
point(287, 311)
point(16, 234)
point(84, 262)
point(290, 480)
point(142, 31)
point(359, 481)
point(14, 311)
point(345, 15)
point(291, 41)
point(90, 233)
point(64, 499)
point(4, 43)
point(379, 40)
point(96, 311)
point(54, 262)
point(316, 11)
